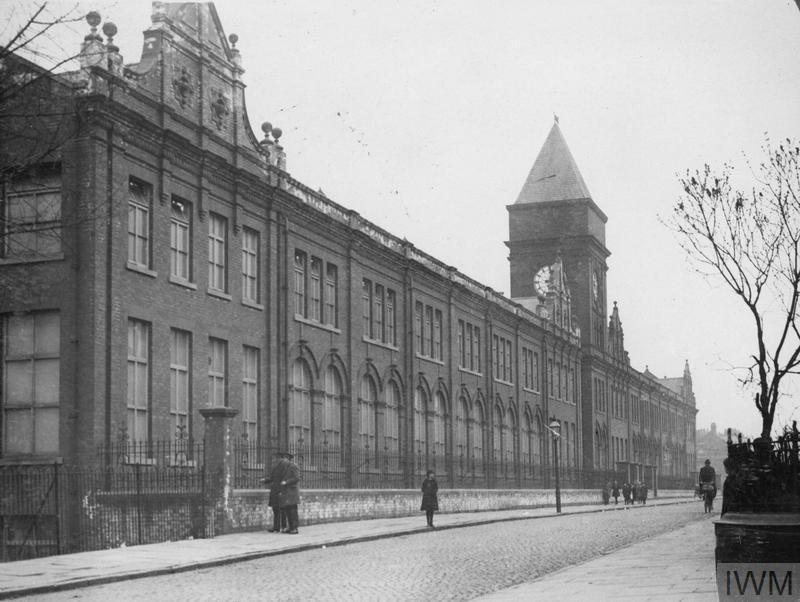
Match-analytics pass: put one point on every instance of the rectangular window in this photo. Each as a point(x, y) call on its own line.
point(509, 363)
point(437, 335)
point(550, 383)
point(217, 372)
point(31, 347)
point(418, 327)
point(180, 354)
point(140, 197)
point(250, 270)
point(390, 317)
point(427, 343)
point(366, 307)
point(250, 393)
point(32, 220)
point(495, 356)
point(138, 397)
point(180, 240)
point(217, 252)
point(462, 356)
point(331, 291)
point(377, 313)
point(476, 349)
point(299, 283)
point(315, 290)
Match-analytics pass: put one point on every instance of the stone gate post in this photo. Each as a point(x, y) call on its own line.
point(218, 445)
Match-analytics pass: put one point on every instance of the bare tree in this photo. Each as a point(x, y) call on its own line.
point(751, 239)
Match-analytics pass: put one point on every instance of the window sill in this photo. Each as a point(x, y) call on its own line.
point(134, 267)
point(36, 259)
point(429, 359)
point(183, 283)
point(504, 382)
point(378, 343)
point(219, 294)
point(468, 371)
point(141, 461)
point(252, 305)
point(528, 390)
point(328, 327)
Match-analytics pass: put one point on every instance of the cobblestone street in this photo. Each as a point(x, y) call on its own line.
point(452, 564)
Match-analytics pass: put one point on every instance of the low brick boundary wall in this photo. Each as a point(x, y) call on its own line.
point(248, 509)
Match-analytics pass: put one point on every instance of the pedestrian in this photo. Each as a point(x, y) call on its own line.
point(626, 492)
point(430, 499)
point(290, 494)
point(615, 493)
point(643, 493)
point(274, 481)
point(605, 492)
point(637, 486)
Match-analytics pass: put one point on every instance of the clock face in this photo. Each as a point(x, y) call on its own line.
point(541, 281)
point(595, 287)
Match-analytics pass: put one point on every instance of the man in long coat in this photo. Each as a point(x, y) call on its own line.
point(274, 480)
point(290, 494)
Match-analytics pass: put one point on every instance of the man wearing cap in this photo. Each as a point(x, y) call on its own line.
point(290, 493)
point(274, 480)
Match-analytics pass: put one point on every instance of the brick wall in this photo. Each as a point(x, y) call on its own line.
point(249, 512)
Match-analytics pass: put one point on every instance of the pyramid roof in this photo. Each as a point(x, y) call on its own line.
point(554, 175)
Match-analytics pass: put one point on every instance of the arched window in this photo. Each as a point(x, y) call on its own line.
point(438, 425)
point(367, 419)
point(497, 436)
point(462, 431)
point(332, 409)
point(510, 438)
point(540, 442)
point(526, 444)
point(391, 429)
point(300, 405)
point(420, 408)
point(478, 437)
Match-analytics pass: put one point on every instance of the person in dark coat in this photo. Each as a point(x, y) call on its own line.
point(274, 481)
point(643, 493)
point(615, 493)
point(606, 492)
point(430, 499)
point(626, 492)
point(290, 494)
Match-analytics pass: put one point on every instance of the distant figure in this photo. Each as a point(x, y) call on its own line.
point(729, 487)
point(606, 493)
point(290, 494)
point(635, 490)
point(643, 493)
point(626, 492)
point(708, 485)
point(430, 498)
point(274, 481)
point(615, 493)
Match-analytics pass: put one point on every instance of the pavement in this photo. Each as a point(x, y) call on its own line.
point(664, 568)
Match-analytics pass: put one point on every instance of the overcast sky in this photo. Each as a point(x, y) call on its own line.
point(426, 116)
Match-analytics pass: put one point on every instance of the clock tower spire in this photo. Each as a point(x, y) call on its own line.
point(554, 214)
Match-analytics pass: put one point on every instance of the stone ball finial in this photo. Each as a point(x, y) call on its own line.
point(277, 133)
point(110, 29)
point(93, 19)
point(233, 38)
point(266, 127)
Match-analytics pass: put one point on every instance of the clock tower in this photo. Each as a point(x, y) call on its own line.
point(555, 216)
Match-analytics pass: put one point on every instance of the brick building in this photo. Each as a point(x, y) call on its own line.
point(171, 263)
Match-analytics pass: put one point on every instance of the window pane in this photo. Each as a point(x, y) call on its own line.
point(47, 333)
point(19, 431)
point(19, 336)
point(46, 428)
point(19, 385)
point(47, 381)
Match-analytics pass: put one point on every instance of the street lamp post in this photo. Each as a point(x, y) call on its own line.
point(555, 429)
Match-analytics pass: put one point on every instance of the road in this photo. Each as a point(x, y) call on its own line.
point(451, 564)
